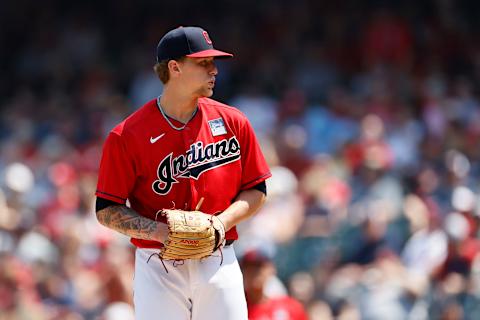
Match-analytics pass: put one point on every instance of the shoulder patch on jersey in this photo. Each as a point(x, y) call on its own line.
point(217, 126)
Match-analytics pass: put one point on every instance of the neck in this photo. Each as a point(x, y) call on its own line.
point(255, 297)
point(177, 106)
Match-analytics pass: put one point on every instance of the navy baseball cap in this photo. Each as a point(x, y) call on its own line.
point(193, 42)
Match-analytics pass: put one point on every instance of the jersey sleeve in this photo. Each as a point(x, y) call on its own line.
point(116, 175)
point(297, 310)
point(254, 166)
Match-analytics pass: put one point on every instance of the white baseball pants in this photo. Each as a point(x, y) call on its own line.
point(191, 290)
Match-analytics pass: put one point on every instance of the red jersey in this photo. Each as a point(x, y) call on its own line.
point(281, 308)
point(156, 162)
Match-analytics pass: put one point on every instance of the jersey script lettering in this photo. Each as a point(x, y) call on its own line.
point(194, 162)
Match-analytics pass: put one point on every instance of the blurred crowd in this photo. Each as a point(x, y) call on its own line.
point(368, 113)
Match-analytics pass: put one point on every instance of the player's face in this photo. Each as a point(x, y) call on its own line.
point(255, 275)
point(198, 76)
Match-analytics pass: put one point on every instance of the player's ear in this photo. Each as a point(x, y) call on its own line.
point(173, 67)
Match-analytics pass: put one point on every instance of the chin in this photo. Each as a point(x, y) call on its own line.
point(207, 93)
point(204, 92)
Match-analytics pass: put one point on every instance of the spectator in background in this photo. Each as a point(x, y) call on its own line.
point(387, 39)
point(257, 269)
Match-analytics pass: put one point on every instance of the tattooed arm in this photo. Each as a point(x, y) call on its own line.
point(125, 220)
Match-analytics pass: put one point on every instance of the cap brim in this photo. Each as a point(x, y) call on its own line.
point(210, 53)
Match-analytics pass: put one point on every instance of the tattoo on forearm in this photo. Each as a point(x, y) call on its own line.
point(127, 221)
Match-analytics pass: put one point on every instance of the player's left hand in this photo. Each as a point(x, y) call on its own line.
point(191, 235)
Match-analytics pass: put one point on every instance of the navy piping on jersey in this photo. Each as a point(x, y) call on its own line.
point(167, 117)
point(111, 195)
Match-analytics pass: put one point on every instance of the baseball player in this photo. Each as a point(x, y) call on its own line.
point(257, 269)
point(187, 152)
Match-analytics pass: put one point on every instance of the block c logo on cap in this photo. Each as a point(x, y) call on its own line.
point(207, 38)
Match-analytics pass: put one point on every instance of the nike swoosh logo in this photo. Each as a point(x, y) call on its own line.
point(153, 140)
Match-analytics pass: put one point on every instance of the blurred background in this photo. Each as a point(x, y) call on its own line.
point(368, 113)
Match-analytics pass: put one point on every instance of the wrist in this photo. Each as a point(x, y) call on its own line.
point(161, 232)
point(225, 222)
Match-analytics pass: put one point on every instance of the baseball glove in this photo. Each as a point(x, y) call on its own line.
point(191, 235)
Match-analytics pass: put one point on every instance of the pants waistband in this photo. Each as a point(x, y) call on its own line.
point(229, 242)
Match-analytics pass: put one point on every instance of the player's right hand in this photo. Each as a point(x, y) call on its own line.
point(161, 232)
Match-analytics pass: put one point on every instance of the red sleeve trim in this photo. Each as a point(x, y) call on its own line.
point(109, 196)
point(250, 184)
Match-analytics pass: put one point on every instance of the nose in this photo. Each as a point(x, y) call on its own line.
point(213, 69)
